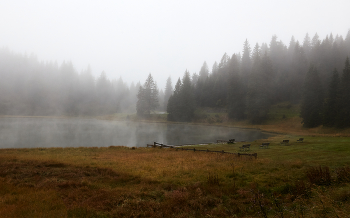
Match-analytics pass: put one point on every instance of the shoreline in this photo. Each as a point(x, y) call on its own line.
point(291, 126)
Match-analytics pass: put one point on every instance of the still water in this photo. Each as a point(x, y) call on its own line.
point(76, 132)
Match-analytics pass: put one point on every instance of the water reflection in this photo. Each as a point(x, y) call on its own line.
point(46, 132)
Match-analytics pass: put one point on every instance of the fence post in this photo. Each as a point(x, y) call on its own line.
point(194, 149)
point(223, 151)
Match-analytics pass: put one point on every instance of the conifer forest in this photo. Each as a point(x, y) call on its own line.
point(314, 73)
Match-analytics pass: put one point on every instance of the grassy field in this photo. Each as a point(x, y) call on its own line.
point(309, 179)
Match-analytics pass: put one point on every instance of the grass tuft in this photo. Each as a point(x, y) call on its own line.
point(319, 175)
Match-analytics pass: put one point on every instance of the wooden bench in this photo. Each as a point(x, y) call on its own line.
point(285, 142)
point(231, 141)
point(245, 147)
point(300, 140)
point(265, 145)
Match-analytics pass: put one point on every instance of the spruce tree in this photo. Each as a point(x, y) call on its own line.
point(311, 106)
point(181, 103)
point(204, 72)
point(173, 107)
point(168, 92)
point(307, 44)
point(346, 43)
point(187, 99)
point(147, 97)
point(246, 61)
point(260, 89)
point(331, 103)
point(343, 119)
point(236, 96)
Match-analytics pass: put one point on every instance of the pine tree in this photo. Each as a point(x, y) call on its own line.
point(147, 97)
point(187, 99)
point(204, 72)
point(307, 44)
point(173, 108)
point(311, 106)
point(297, 73)
point(343, 119)
point(291, 47)
point(168, 92)
point(347, 44)
point(246, 61)
point(260, 88)
point(236, 96)
point(181, 103)
point(331, 102)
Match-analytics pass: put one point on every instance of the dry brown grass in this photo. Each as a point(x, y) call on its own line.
point(153, 182)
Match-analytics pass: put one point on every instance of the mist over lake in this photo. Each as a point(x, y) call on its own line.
point(77, 132)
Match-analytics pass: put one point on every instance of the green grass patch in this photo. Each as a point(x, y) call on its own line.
point(283, 110)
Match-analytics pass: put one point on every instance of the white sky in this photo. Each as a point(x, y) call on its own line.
point(133, 38)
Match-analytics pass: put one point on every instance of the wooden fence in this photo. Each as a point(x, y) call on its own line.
point(155, 144)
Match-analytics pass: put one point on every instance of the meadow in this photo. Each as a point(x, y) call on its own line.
point(308, 179)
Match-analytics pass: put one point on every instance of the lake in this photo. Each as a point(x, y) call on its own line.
point(78, 132)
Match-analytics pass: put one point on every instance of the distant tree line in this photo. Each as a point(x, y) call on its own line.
point(247, 84)
point(30, 87)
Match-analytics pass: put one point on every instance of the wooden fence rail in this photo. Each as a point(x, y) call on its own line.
point(155, 144)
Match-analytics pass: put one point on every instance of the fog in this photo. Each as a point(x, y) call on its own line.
point(130, 39)
point(213, 61)
point(49, 132)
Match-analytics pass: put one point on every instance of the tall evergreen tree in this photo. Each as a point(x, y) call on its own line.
point(291, 47)
point(264, 48)
point(181, 103)
point(343, 119)
point(278, 54)
point(236, 96)
point(311, 106)
point(296, 74)
point(173, 107)
point(347, 44)
point(168, 92)
point(307, 44)
point(246, 60)
point(201, 90)
point(187, 98)
point(331, 103)
point(204, 72)
point(147, 97)
point(260, 88)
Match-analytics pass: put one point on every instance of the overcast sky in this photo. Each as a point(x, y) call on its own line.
point(134, 38)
